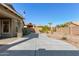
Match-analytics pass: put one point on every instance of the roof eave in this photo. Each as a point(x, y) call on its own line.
point(11, 10)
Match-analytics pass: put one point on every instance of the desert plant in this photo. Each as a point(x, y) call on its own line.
point(50, 23)
point(44, 29)
point(64, 38)
point(62, 25)
point(26, 31)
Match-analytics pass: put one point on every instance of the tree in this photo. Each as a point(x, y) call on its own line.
point(45, 29)
point(50, 24)
point(62, 25)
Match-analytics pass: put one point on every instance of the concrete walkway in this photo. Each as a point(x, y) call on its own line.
point(7, 40)
point(40, 41)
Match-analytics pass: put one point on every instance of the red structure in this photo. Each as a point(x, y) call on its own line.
point(30, 27)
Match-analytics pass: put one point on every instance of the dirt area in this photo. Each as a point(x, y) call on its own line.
point(72, 39)
point(7, 40)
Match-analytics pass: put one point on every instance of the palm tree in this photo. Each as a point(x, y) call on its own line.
point(50, 24)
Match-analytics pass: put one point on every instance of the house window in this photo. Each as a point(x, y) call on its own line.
point(5, 26)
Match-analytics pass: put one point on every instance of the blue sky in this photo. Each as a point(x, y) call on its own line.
point(43, 13)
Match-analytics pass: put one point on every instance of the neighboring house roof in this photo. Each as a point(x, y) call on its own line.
point(75, 23)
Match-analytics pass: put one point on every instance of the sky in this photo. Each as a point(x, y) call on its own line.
point(43, 13)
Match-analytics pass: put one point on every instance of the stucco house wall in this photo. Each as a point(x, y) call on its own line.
point(72, 29)
point(14, 19)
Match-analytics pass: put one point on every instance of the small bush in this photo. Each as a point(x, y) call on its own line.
point(45, 29)
point(64, 38)
point(26, 31)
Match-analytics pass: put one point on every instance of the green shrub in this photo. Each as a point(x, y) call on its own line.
point(26, 31)
point(45, 29)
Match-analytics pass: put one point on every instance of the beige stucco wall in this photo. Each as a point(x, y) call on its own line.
point(19, 34)
point(13, 27)
point(74, 29)
point(13, 22)
point(71, 29)
point(0, 28)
